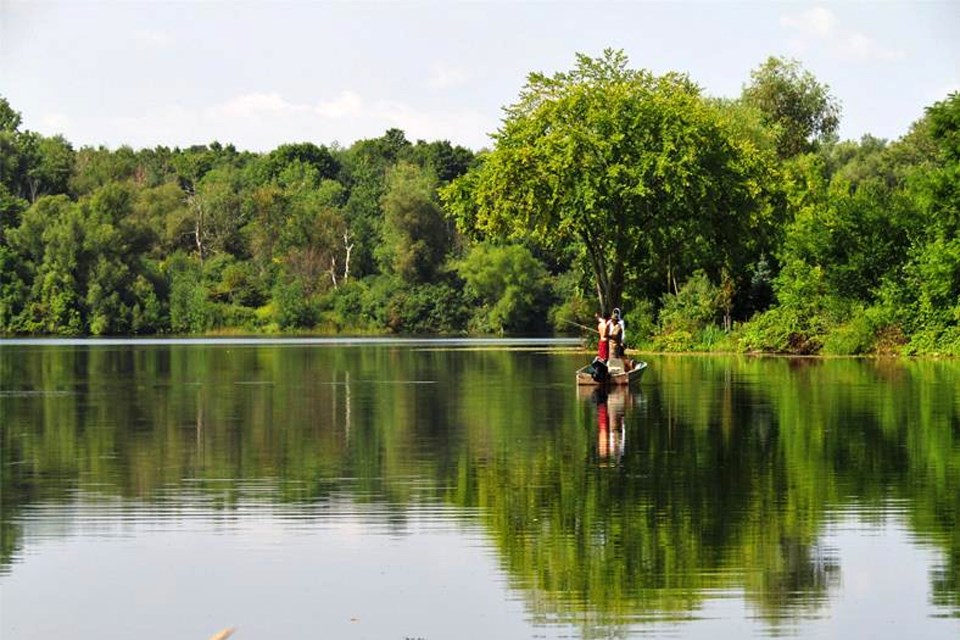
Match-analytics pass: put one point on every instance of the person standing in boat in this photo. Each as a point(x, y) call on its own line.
point(617, 334)
point(603, 344)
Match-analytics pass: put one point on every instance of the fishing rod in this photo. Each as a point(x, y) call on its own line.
point(577, 324)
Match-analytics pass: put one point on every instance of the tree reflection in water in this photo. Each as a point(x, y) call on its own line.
point(715, 475)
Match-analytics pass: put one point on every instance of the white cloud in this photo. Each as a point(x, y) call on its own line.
point(818, 27)
point(859, 47)
point(262, 121)
point(253, 105)
point(818, 22)
point(344, 105)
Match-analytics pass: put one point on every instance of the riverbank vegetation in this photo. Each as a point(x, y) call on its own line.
point(716, 224)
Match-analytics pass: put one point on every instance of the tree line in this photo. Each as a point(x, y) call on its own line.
point(735, 224)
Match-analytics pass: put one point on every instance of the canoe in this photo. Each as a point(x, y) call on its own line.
point(619, 371)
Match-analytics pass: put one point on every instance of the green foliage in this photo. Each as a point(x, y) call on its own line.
point(798, 107)
point(95, 168)
point(511, 286)
point(641, 322)
point(693, 307)
point(293, 308)
point(32, 165)
point(147, 315)
point(641, 173)
point(619, 183)
point(854, 337)
point(216, 214)
point(689, 318)
point(415, 235)
point(9, 118)
point(778, 330)
point(241, 284)
point(945, 126)
point(190, 310)
point(385, 303)
point(423, 309)
point(162, 214)
point(573, 307)
point(306, 156)
point(443, 160)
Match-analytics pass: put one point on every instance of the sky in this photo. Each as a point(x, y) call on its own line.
point(261, 73)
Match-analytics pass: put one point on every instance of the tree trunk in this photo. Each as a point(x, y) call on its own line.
point(346, 264)
point(197, 206)
point(595, 254)
point(333, 270)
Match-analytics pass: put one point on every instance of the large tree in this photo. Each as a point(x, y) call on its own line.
point(794, 103)
point(415, 234)
point(646, 177)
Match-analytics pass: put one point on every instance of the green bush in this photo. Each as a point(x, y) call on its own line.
point(674, 341)
point(235, 316)
point(641, 323)
point(780, 330)
point(855, 337)
point(426, 309)
point(511, 285)
point(190, 310)
point(692, 308)
point(714, 338)
point(293, 309)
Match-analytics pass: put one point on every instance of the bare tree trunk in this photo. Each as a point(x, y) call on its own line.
point(197, 205)
point(349, 247)
point(198, 232)
point(727, 290)
point(333, 270)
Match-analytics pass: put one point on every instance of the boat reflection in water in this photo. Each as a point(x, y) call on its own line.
point(612, 404)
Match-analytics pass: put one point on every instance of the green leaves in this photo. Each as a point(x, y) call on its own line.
point(798, 107)
point(415, 234)
point(629, 167)
point(510, 284)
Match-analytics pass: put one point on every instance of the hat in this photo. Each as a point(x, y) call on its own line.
point(616, 313)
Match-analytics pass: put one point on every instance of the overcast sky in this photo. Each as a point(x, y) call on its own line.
point(259, 73)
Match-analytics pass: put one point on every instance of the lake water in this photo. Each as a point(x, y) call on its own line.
point(467, 489)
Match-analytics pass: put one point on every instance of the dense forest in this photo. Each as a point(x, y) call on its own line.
point(716, 224)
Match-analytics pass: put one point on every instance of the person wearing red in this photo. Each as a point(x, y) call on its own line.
point(603, 344)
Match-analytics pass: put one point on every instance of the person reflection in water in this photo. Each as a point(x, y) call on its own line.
point(611, 428)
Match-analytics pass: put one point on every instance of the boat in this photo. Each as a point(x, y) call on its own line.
point(612, 372)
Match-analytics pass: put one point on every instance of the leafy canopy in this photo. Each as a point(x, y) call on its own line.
point(641, 173)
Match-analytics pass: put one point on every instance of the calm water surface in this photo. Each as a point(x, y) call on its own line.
point(467, 489)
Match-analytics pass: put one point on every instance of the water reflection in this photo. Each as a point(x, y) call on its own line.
point(716, 480)
point(611, 405)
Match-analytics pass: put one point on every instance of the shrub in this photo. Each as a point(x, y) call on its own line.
point(429, 309)
point(677, 340)
point(512, 286)
point(641, 323)
point(780, 330)
point(293, 309)
point(692, 308)
point(190, 311)
point(851, 338)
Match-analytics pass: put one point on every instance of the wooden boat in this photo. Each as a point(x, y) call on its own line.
point(618, 371)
